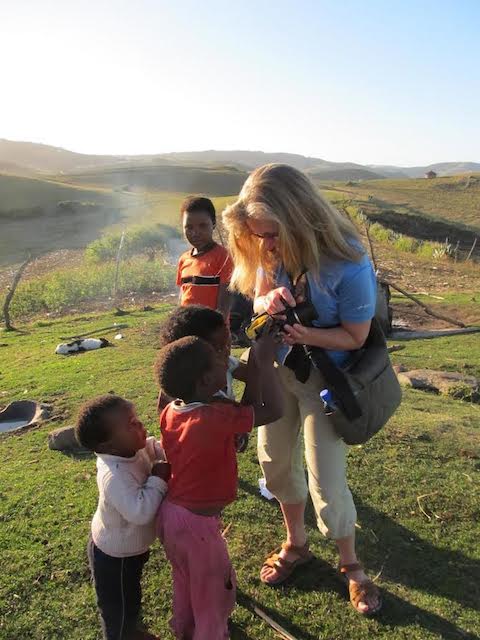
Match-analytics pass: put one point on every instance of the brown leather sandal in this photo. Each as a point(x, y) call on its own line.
point(360, 591)
point(285, 568)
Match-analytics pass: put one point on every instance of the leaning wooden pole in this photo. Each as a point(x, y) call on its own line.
point(425, 307)
point(11, 293)
point(370, 244)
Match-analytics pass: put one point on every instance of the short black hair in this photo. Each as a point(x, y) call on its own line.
point(199, 203)
point(191, 320)
point(180, 364)
point(93, 426)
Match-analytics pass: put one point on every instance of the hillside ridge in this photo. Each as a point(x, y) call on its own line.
point(23, 156)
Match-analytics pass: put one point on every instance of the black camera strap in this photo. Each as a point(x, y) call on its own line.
point(298, 360)
point(319, 358)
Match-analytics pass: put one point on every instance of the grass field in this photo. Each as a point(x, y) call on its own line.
point(429, 562)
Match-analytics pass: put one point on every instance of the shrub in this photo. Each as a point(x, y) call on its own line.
point(407, 244)
point(68, 287)
point(428, 249)
point(137, 240)
point(380, 233)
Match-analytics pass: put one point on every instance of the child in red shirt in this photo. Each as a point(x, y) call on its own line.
point(202, 322)
point(203, 272)
point(198, 436)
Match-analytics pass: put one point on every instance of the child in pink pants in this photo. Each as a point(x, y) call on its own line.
point(204, 580)
point(198, 436)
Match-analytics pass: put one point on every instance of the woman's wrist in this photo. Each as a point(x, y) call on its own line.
point(259, 304)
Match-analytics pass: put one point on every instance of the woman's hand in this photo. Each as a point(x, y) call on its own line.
point(347, 337)
point(274, 300)
point(296, 334)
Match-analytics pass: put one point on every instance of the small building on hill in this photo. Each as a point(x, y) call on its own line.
point(430, 174)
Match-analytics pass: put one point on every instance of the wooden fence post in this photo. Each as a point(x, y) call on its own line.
point(117, 267)
point(11, 293)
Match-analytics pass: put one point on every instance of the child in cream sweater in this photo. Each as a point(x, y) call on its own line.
point(132, 482)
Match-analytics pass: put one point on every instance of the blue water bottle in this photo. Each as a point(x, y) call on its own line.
point(328, 402)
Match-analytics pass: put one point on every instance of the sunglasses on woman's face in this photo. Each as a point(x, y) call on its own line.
point(266, 236)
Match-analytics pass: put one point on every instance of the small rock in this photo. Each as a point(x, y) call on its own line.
point(64, 440)
point(398, 368)
point(395, 347)
point(449, 383)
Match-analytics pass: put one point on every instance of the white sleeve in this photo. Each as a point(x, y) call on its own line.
point(138, 504)
point(233, 363)
point(155, 450)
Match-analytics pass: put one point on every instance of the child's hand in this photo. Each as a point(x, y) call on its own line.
point(161, 470)
point(241, 442)
point(265, 347)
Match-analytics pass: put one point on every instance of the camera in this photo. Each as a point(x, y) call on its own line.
point(304, 313)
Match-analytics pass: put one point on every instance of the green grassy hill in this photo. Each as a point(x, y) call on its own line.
point(455, 199)
point(41, 214)
point(22, 193)
point(105, 197)
point(212, 181)
point(423, 209)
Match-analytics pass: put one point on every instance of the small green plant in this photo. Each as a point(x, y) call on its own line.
point(444, 250)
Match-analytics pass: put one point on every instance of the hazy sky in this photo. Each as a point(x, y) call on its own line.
point(369, 81)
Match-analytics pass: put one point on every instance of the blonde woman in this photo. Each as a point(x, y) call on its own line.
point(283, 233)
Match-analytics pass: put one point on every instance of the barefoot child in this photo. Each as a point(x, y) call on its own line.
point(132, 484)
point(202, 322)
point(198, 431)
point(203, 272)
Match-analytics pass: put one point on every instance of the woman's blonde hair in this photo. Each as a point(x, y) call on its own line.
point(311, 230)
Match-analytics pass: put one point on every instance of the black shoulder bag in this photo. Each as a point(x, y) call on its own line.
point(366, 392)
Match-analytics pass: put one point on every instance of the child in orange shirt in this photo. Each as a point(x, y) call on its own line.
point(203, 272)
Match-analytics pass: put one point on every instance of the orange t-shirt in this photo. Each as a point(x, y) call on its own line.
point(199, 443)
point(200, 276)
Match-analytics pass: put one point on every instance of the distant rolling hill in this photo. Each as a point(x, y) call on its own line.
point(47, 159)
point(442, 169)
point(212, 181)
point(26, 157)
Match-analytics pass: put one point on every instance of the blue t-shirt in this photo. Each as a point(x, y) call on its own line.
point(344, 292)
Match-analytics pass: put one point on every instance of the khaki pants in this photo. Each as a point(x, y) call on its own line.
point(280, 453)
